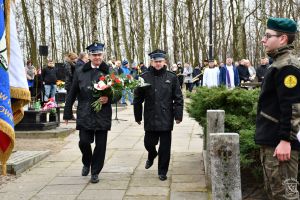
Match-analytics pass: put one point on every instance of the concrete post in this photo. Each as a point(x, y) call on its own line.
point(215, 124)
point(225, 166)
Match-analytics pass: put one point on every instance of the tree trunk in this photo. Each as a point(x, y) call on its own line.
point(165, 46)
point(141, 34)
point(82, 24)
point(93, 21)
point(52, 30)
point(76, 26)
point(124, 34)
point(114, 17)
point(108, 39)
point(33, 49)
point(175, 33)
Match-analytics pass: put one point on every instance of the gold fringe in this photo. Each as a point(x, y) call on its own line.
point(7, 26)
point(20, 93)
point(18, 116)
point(4, 156)
point(22, 97)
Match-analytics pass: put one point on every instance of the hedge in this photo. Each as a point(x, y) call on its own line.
point(240, 112)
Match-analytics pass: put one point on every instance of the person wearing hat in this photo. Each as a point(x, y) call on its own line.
point(92, 126)
point(278, 111)
point(163, 103)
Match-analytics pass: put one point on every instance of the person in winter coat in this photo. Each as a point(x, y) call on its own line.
point(163, 103)
point(188, 76)
point(92, 126)
point(126, 93)
point(197, 76)
point(70, 65)
point(49, 77)
point(229, 75)
point(30, 75)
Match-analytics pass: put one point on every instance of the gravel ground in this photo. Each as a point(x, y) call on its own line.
point(52, 144)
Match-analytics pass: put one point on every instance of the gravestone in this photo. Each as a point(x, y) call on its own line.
point(225, 166)
point(215, 124)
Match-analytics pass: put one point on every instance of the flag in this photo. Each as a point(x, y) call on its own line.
point(14, 93)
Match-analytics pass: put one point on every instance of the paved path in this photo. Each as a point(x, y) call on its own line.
point(123, 176)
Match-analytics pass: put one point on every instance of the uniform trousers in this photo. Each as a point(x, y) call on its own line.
point(164, 152)
point(280, 177)
point(94, 159)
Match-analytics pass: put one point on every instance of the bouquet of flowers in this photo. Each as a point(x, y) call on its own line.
point(50, 105)
point(110, 86)
point(131, 83)
point(60, 84)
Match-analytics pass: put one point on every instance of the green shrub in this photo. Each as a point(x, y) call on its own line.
point(240, 112)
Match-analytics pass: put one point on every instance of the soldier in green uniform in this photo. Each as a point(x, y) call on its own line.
point(278, 113)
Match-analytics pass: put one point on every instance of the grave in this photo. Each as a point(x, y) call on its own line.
point(39, 120)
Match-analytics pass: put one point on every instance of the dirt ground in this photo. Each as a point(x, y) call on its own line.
point(52, 144)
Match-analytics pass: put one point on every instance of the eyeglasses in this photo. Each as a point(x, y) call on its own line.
point(268, 36)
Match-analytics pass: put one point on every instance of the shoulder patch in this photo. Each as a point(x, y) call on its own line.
point(290, 81)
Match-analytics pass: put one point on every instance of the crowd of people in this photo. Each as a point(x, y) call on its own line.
point(209, 74)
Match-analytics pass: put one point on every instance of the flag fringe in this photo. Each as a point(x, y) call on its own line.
point(22, 97)
point(4, 156)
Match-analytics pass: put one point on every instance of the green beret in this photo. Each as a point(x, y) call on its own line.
point(285, 25)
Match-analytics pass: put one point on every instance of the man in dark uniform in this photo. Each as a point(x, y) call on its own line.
point(91, 125)
point(278, 113)
point(163, 103)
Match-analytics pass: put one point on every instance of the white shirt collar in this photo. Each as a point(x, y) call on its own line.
point(93, 66)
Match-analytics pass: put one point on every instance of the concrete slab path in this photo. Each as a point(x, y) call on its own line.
point(123, 176)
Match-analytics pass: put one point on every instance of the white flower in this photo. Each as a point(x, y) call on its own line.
point(100, 85)
point(142, 81)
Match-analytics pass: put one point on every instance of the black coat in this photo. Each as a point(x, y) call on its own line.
point(87, 118)
point(243, 73)
point(69, 72)
point(261, 71)
point(49, 75)
point(163, 100)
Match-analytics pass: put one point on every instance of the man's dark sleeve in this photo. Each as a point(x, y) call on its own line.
point(139, 96)
point(177, 100)
point(71, 97)
point(288, 87)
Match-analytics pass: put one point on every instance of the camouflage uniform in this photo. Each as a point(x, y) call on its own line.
point(278, 118)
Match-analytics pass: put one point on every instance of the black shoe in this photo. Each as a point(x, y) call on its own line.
point(162, 177)
point(94, 178)
point(149, 163)
point(85, 171)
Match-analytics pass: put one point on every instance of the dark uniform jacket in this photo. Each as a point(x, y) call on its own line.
point(163, 100)
point(87, 118)
point(278, 112)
